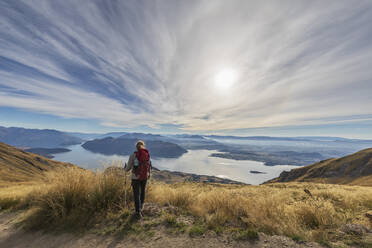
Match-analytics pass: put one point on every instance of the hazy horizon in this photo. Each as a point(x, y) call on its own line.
point(187, 133)
point(244, 68)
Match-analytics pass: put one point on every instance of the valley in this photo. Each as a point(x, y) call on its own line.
point(230, 157)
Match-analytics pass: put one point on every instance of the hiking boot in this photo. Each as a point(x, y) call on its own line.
point(138, 215)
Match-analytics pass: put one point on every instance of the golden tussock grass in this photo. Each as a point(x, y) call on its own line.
point(75, 197)
point(277, 209)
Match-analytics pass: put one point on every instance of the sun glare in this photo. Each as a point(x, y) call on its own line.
point(225, 79)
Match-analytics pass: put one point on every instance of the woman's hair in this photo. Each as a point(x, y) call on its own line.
point(140, 144)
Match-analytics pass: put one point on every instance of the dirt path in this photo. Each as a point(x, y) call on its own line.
point(11, 237)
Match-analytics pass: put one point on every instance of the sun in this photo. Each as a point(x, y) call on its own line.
point(225, 79)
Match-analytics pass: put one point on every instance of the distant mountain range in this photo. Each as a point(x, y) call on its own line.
point(270, 150)
point(126, 146)
point(351, 169)
point(186, 136)
point(17, 165)
point(299, 138)
point(186, 141)
point(32, 138)
point(355, 169)
point(143, 136)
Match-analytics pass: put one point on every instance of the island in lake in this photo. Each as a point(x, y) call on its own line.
point(47, 152)
point(273, 158)
point(257, 172)
point(126, 146)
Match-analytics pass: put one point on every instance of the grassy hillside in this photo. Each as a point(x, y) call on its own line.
point(18, 166)
point(71, 199)
point(355, 169)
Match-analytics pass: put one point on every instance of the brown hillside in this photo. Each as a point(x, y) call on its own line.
point(355, 169)
point(19, 166)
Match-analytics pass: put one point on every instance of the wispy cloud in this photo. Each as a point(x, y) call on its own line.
point(154, 63)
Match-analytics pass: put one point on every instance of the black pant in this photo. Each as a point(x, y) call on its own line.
point(139, 188)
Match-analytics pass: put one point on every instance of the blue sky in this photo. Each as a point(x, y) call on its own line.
point(225, 67)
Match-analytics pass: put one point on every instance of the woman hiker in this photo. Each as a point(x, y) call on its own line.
point(140, 164)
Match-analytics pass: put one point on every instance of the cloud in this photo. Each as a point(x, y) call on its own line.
point(154, 63)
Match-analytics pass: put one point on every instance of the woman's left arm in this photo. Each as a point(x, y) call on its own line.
point(129, 165)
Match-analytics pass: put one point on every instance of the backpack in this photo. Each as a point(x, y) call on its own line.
point(144, 164)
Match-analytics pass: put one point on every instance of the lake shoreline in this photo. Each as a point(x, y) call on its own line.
point(198, 162)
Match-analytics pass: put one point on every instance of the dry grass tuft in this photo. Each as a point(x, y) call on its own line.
point(71, 197)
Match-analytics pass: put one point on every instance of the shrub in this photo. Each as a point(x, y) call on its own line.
point(197, 230)
point(248, 234)
point(175, 226)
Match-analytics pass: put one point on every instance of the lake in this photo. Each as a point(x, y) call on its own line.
point(194, 161)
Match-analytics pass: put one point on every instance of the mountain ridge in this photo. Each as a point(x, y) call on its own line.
point(354, 169)
point(36, 138)
point(19, 166)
